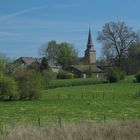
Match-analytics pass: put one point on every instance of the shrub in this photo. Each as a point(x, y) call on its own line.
point(48, 75)
point(65, 75)
point(114, 74)
point(60, 75)
point(8, 88)
point(69, 75)
point(30, 83)
point(137, 76)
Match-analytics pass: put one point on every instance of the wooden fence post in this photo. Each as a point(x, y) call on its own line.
point(93, 96)
point(123, 117)
point(60, 122)
point(104, 118)
point(82, 96)
point(113, 96)
point(58, 96)
point(39, 121)
point(69, 96)
point(103, 95)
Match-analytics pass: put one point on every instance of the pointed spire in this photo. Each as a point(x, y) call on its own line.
point(90, 43)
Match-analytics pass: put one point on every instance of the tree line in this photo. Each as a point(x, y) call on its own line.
point(120, 49)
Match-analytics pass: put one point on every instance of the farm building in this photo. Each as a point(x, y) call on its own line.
point(83, 70)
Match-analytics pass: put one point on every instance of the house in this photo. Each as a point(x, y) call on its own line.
point(35, 62)
point(83, 70)
point(27, 61)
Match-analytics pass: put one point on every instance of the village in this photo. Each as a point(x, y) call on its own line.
point(63, 78)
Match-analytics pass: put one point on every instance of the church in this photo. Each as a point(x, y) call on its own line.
point(90, 53)
point(88, 62)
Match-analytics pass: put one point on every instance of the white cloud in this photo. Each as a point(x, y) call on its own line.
point(8, 34)
point(18, 13)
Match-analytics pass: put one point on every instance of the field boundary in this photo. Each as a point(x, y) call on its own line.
point(74, 82)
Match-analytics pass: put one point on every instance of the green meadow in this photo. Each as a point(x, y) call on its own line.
point(97, 102)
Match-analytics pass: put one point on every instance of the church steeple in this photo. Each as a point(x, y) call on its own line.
point(90, 53)
point(90, 43)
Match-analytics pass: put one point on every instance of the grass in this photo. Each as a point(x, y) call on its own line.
point(107, 102)
point(84, 131)
point(73, 82)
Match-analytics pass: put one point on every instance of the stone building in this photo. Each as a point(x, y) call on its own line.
point(88, 62)
point(90, 53)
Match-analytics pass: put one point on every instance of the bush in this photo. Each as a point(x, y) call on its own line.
point(69, 75)
point(48, 75)
point(137, 76)
point(30, 83)
point(8, 88)
point(65, 75)
point(114, 75)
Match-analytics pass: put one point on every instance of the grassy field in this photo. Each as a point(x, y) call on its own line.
point(83, 131)
point(115, 101)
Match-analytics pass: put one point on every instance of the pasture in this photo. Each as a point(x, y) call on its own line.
point(106, 102)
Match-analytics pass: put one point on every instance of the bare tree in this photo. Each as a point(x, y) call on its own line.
point(50, 51)
point(116, 38)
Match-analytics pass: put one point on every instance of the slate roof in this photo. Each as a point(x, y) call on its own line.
point(90, 42)
point(28, 60)
point(85, 68)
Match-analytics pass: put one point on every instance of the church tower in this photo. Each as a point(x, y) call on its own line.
point(90, 53)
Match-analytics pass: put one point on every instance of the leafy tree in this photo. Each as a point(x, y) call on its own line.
point(1, 67)
point(116, 38)
point(11, 68)
point(2, 63)
point(30, 83)
point(44, 64)
point(63, 54)
point(114, 74)
point(133, 59)
point(137, 76)
point(8, 88)
point(67, 55)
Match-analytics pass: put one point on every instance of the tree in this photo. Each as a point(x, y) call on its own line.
point(114, 74)
point(137, 76)
point(63, 54)
point(67, 55)
point(3, 61)
point(30, 83)
point(50, 51)
point(1, 67)
point(8, 88)
point(44, 64)
point(133, 59)
point(116, 38)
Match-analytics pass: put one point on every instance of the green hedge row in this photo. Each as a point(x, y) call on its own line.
point(73, 82)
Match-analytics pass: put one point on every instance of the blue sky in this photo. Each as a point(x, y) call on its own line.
point(25, 25)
